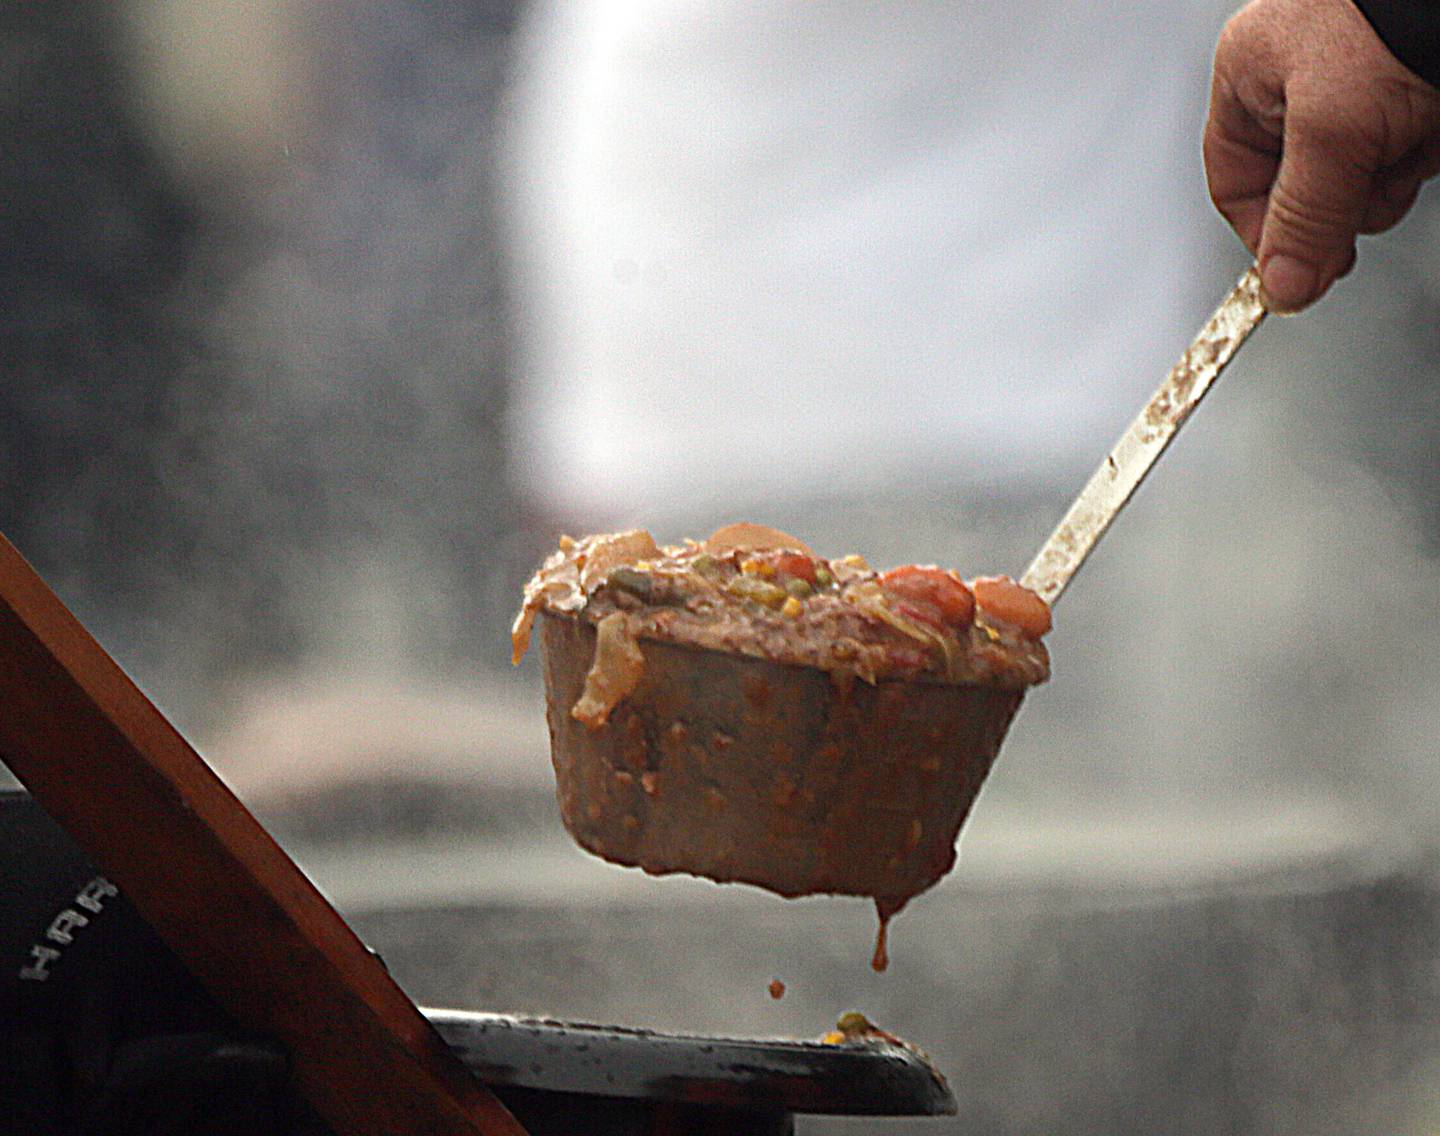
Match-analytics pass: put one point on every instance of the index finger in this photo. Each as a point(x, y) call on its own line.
point(1242, 159)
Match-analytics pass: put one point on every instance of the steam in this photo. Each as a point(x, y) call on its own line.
point(326, 544)
point(331, 436)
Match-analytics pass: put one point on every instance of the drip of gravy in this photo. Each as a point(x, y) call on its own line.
point(886, 908)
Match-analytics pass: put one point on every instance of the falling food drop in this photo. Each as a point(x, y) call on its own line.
point(880, 960)
point(776, 988)
point(886, 908)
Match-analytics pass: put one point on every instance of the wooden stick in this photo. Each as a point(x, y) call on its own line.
point(110, 769)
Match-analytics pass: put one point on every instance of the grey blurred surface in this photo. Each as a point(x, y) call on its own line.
point(1295, 1002)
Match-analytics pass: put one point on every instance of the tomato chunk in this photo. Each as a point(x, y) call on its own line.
point(1002, 598)
point(931, 594)
point(796, 565)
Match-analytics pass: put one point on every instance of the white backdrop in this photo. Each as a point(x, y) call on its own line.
point(810, 247)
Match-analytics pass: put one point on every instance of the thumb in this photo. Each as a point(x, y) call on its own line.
point(1317, 206)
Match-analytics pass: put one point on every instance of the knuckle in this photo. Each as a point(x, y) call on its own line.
point(1245, 55)
point(1313, 222)
point(1245, 33)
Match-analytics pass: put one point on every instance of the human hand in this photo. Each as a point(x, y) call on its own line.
point(1316, 134)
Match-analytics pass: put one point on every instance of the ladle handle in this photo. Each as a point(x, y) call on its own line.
point(1140, 447)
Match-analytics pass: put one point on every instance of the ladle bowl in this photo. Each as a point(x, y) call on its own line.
point(740, 769)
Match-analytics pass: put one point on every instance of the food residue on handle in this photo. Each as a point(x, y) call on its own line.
point(776, 989)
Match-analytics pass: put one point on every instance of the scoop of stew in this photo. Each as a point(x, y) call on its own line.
point(744, 709)
point(753, 590)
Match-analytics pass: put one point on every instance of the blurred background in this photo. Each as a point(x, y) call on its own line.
point(319, 322)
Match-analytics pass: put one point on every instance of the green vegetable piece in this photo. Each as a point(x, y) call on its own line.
point(798, 588)
point(706, 564)
point(757, 591)
point(853, 1022)
point(637, 583)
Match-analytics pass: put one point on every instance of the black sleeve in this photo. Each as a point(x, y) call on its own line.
point(1411, 30)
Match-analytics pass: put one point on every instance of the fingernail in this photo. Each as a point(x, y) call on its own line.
point(1287, 284)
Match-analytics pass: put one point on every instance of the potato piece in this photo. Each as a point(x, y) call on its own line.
point(752, 537)
point(611, 550)
point(616, 671)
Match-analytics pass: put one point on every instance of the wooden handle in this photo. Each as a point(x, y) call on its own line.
point(109, 768)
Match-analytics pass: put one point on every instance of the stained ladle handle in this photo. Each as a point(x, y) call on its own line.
point(1140, 447)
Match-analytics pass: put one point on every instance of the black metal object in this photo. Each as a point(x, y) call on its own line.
point(103, 1032)
point(856, 1079)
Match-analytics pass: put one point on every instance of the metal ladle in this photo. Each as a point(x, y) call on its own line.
point(738, 768)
